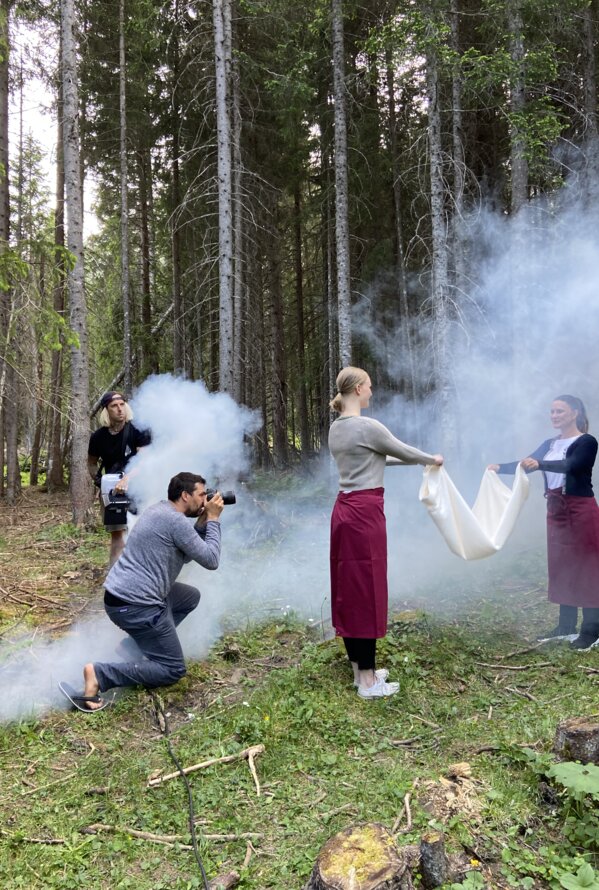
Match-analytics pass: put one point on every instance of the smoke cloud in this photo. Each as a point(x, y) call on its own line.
point(527, 332)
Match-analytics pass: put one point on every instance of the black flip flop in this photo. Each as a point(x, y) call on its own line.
point(79, 701)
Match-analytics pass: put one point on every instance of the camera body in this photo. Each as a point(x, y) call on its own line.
point(227, 496)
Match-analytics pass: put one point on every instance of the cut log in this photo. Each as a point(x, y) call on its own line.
point(578, 739)
point(224, 882)
point(361, 856)
point(433, 861)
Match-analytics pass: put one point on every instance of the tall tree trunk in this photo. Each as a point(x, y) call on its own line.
point(277, 339)
point(459, 163)
point(589, 79)
point(178, 309)
point(148, 352)
point(519, 164)
point(55, 477)
point(406, 344)
point(80, 485)
point(440, 262)
point(222, 17)
point(8, 379)
point(239, 289)
point(124, 201)
point(341, 187)
point(299, 306)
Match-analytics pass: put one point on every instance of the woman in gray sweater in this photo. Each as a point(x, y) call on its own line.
point(362, 447)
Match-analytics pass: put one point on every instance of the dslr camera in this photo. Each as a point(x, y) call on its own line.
point(227, 496)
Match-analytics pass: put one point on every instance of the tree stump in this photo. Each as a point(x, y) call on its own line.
point(433, 861)
point(361, 857)
point(577, 739)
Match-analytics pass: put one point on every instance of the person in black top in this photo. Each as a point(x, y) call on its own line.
point(572, 521)
point(113, 445)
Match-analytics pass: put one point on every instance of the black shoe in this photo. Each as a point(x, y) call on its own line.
point(584, 642)
point(558, 633)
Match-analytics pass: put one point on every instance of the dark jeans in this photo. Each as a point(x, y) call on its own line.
point(568, 619)
point(153, 629)
point(361, 651)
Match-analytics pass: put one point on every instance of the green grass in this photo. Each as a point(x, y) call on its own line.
point(331, 759)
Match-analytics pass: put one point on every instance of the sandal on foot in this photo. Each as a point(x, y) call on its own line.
point(79, 701)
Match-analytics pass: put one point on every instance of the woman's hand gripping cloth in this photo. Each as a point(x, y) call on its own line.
point(484, 529)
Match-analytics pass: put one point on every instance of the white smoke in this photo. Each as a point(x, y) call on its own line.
point(528, 333)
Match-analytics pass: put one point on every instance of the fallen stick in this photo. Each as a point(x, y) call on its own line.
point(168, 839)
point(224, 882)
point(241, 755)
point(405, 809)
point(522, 651)
point(54, 841)
point(49, 785)
point(521, 692)
point(514, 667)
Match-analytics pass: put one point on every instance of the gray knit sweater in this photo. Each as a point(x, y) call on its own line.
point(160, 543)
point(360, 446)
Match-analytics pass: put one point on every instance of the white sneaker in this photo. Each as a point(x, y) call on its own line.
point(380, 674)
point(378, 689)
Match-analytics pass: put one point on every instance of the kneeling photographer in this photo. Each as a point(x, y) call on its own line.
point(113, 445)
point(142, 596)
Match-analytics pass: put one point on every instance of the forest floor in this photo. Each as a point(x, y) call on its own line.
point(461, 748)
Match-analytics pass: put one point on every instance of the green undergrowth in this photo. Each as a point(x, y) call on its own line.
point(330, 759)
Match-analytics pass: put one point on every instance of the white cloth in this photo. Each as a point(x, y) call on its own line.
point(484, 529)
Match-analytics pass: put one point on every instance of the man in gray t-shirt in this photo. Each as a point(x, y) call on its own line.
point(142, 595)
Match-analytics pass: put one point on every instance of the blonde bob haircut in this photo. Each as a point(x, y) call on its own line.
point(347, 380)
point(105, 420)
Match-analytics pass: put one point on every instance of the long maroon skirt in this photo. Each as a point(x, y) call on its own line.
point(573, 549)
point(359, 564)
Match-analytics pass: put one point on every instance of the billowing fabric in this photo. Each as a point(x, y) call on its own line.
point(573, 549)
point(359, 564)
point(482, 530)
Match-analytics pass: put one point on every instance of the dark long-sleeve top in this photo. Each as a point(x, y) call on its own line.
point(577, 465)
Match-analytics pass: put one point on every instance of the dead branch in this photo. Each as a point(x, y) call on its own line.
point(167, 840)
point(514, 667)
point(49, 785)
point(522, 651)
point(241, 755)
point(408, 812)
point(53, 841)
point(521, 692)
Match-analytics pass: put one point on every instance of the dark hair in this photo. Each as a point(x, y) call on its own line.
point(582, 421)
point(183, 482)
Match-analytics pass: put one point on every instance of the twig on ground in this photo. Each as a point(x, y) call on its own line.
point(342, 809)
point(408, 812)
point(521, 692)
point(49, 785)
point(241, 755)
point(514, 667)
point(404, 743)
point(166, 839)
point(522, 651)
point(423, 720)
point(52, 841)
point(251, 756)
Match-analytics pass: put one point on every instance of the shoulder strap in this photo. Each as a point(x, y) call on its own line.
point(126, 430)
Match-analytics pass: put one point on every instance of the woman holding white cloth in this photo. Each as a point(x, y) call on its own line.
point(362, 447)
point(566, 462)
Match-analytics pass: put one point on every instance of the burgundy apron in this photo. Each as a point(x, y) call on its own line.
point(573, 549)
point(359, 564)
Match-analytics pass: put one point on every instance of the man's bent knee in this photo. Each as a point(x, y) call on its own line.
point(173, 673)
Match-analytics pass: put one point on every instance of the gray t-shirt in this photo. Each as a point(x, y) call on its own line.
point(360, 446)
point(160, 543)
